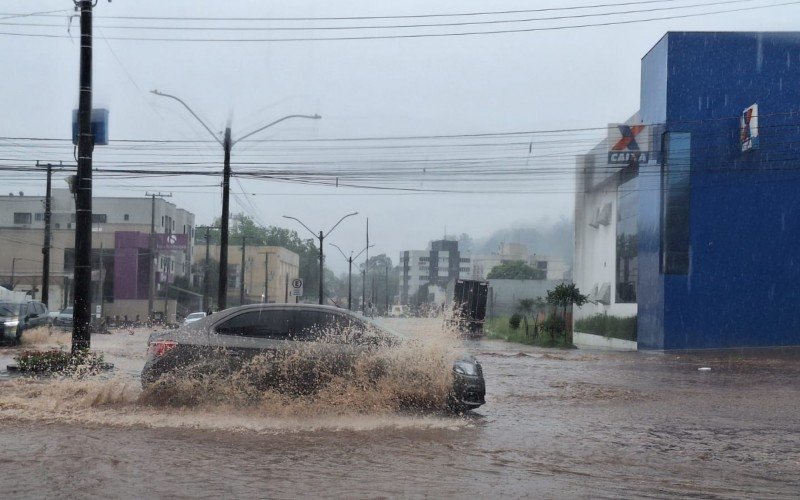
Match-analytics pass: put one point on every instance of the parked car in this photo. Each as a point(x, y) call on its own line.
point(398, 311)
point(18, 317)
point(64, 318)
point(241, 333)
point(195, 316)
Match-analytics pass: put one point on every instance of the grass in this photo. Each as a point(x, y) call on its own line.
point(608, 326)
point(498, 328)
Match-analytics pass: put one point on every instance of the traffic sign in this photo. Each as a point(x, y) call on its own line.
point(297, 288)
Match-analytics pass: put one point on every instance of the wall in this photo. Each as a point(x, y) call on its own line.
point(740, 287)
point(504, 295)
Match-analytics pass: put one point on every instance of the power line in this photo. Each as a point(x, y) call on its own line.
point(420, 35)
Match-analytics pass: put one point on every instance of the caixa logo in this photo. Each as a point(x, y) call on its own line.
point(626, 144)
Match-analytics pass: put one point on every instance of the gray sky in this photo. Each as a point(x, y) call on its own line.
point(528, 81)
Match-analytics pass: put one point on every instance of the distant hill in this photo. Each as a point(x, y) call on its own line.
point(555, 239)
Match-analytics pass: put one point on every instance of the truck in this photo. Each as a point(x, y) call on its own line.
point(469, 305)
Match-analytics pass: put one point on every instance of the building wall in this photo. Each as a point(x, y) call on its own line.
point(741, 282)
point(437, 266)
point(282, 263)
point(22, 241)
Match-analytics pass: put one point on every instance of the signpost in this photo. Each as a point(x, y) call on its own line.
point(296, 290)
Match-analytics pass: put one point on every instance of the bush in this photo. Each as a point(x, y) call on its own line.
point(514, 321)
point(55, 360)
point(554, 325)
point(608, 326)
point(500, 328)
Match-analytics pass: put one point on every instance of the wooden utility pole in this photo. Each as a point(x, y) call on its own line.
point(81, 335)
point(241, 284)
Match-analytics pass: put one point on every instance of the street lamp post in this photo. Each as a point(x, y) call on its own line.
point(227, 144)
point(321, 237)
point(350, 272)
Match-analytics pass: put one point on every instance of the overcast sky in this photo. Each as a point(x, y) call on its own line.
point(369, 88)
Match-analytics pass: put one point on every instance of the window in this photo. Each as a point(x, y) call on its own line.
point(627, 202)
point(541, 264)
point(58, 226)
point(464, 260)
point(22, 218)
point(126, 217)
point(38, 217)
point(99, 218)
point(424, 259)
point(262, 324)
point(464, 269)
point(72, 218)
point(675, 200)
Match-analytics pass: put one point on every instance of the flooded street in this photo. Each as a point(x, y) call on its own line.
point(556, 424)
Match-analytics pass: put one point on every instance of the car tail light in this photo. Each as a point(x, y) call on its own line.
point(160, 347)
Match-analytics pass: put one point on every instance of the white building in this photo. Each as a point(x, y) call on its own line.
point(421, 269)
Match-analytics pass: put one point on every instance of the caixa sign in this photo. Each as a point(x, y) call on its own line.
point(629, 144)
point(171, 241)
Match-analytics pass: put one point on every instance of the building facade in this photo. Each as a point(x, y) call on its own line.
point(120, 248)
point(695, 197)
point(267, 274)
point(422, 269)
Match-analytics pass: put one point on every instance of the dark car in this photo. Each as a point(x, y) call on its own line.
point(18, 317)
point(278, 329)
point(64, 318)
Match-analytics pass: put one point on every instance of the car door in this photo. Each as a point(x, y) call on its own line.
point(261, 333)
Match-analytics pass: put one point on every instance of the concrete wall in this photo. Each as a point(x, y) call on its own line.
point(504, 295)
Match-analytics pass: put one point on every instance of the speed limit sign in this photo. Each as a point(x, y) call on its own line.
point(297, 288)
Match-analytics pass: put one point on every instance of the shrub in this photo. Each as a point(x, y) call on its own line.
point(514, 321)
point(554, 325)
point(56, 360)
point(608, 326)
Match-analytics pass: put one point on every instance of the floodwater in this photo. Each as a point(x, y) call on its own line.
point(556, 424)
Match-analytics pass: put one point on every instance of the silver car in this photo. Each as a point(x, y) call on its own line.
point(238, 334)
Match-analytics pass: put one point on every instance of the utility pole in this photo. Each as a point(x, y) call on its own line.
point(81, 335)
point(241, 284)
point(47, 237)
point(349, 274)
point(387, 289)
point(321, 237)
point(206, 295)
point(286, 290)
point(227, 144)
point(364, 279)
point(222, 286)
point(266, 278)
point(151, 293)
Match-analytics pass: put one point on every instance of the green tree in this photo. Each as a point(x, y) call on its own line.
point(516, 270)
point(563, 296)
point(531, 307)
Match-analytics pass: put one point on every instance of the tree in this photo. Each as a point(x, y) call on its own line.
point(565, 295)
point(516, 270)
point(530, 307)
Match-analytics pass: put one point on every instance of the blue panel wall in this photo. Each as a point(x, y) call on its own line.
point(743, 284)
point(650, 293)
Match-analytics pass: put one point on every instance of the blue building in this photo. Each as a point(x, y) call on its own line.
point(692, 206)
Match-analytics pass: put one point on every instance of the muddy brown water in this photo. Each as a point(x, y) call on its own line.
point(557, 424)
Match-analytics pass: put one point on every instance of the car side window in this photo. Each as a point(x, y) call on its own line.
point(326, 326)
point(267, 324)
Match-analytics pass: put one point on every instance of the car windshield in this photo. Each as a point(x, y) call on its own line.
point(9, 309)
point(196, 315)
point(68, 310)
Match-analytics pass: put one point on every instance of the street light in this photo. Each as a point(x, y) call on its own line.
point(227, 144)
point(321, 240)
point(350, 272)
